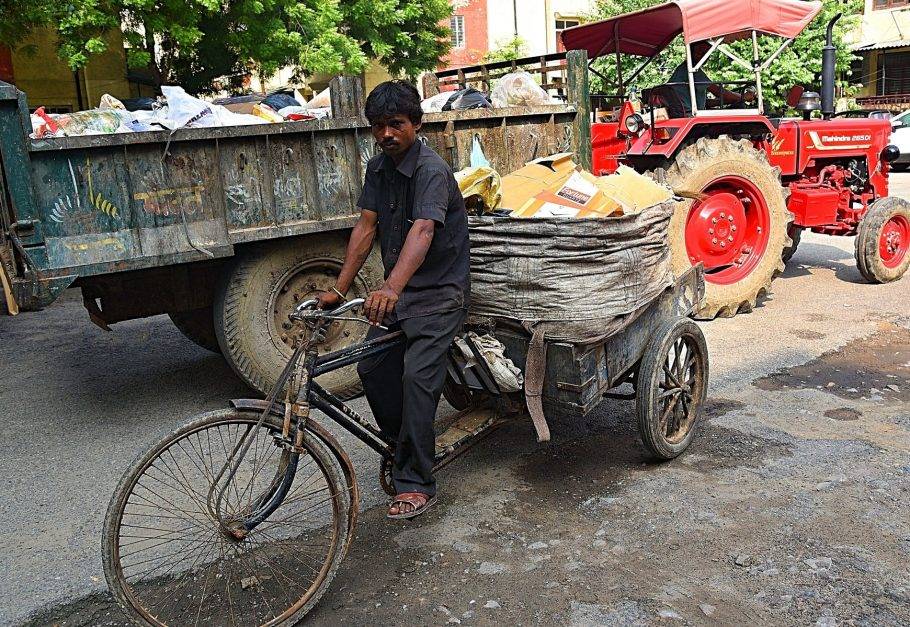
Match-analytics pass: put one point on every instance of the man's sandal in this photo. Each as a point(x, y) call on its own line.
point(418, 501)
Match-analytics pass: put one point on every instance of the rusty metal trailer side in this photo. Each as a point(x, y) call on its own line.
point(91, 206)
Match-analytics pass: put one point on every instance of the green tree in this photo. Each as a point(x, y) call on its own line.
point(193, 41)
point(510, 50)
point(800, 64)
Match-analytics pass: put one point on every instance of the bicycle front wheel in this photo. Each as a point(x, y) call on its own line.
point(168, 559)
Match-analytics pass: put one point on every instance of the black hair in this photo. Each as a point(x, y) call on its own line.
point(396, 97)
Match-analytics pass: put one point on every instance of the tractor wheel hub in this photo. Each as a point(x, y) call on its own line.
point(715, 229)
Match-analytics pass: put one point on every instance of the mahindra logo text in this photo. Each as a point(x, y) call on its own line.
point(846, 138)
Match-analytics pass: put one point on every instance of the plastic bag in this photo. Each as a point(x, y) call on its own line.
point(481, 188)
point(320, 100)
point(519, 89)
point(506, 374)
point(434, 104)
point(468, 98)
point(185, 110)
point(280, 101)
point(109, 102)
point(478, 159)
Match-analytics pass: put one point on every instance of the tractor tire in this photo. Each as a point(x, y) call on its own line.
point(735, 222)
point(883, 240)
point(198, 326)
point(796, 234)
point(262, 287)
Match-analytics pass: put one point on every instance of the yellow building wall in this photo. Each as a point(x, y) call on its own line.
point(878, 26)
point(49, 81)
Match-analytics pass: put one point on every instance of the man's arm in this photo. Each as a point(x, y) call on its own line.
point(726, 96)
point(414, 251)
point(359, 246)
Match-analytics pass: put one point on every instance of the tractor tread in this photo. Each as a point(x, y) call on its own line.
point(683, 176)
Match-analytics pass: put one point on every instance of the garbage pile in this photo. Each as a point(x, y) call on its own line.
point(556, 187)
point(516, 89)
point(176, 109)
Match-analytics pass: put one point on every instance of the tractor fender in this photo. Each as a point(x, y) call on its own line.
point(329, 440)
point(691, 129)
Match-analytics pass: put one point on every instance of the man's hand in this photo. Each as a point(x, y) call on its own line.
point(380, 303)
point(328, 300)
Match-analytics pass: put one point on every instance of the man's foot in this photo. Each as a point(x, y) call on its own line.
point(410, 504)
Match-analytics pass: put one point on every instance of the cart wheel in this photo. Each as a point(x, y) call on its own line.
point(385, 477)
point(672, 383)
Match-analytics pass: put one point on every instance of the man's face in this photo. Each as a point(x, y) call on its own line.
point(395, 134)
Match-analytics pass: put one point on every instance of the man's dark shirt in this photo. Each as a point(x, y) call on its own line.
point(681, 78)
point(422, 187)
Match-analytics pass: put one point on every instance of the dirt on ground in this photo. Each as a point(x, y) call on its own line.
point(790, 507)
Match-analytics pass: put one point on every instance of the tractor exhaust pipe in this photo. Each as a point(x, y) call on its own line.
point(829, 61)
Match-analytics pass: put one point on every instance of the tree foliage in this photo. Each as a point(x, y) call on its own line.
point(510, 50)
point(194, 41)
point(800, 64)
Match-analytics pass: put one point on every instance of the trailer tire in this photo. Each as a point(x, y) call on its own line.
point(260, 289)
point(714, 166)
point(883, 240)
point(676, 355)
point(198, 326)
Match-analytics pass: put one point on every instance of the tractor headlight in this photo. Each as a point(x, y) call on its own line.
point(634, 123)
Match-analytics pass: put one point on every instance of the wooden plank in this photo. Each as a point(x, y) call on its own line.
point(11, 305)
point(578, 95)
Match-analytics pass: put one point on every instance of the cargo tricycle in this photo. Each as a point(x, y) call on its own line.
point(243, 515)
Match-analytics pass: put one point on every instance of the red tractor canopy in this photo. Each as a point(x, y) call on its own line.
point(645, 33)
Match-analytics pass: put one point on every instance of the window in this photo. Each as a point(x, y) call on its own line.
point(561, 25)
point(457, 26)
point(893, 74)
point(889, 4)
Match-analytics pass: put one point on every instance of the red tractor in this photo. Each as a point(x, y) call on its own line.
point(754, 180)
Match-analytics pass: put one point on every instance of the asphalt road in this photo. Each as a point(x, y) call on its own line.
point(790, 507)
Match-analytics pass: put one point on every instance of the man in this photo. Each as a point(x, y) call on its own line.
point(411, 200)
point(679, 82)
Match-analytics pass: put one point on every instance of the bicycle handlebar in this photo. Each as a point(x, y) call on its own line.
point(307, 309)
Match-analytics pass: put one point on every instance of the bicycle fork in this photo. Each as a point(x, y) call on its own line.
point(291, 439)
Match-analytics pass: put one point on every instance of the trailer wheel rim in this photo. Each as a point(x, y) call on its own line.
point(728, 229)
point(301, 283)
point(679, 389)
point(894, 241)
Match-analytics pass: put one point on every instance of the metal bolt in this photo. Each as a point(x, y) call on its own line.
point(710, 231)
point(714, 220)
point(714, 240)
point(730, 217)
point(759, 229)
point(723, 244)
point(733, 228)
point(730, 238)
point(723, 215)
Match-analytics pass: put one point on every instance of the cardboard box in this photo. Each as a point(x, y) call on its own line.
point(632, 191)
point(536, 176)
point(556, 187)
point(576, 197)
